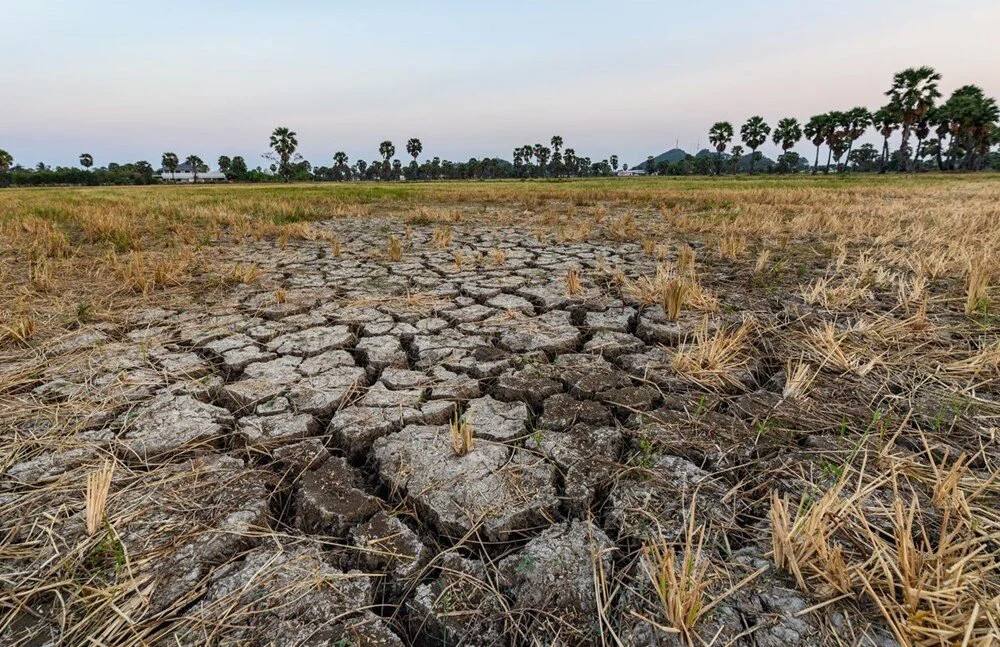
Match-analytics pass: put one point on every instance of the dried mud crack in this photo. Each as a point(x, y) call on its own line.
point(285, 469)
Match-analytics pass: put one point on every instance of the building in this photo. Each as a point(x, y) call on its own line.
point(185, 173)
point(632, 171)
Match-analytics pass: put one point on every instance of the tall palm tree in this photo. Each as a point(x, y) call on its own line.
point(614, 163)
point(838, 136)
point(196, 165)
point(974, 117)
point(527, 152)
point(913, 91)
point(569, 160)
point(386, 150)
point(284, 143)
point(86, 160)
point(815, 131)
point(170, 162)
point(886, 119)
point(340, 161)
point(414, 148)
point(787, 133)
point(557, 143)
point(833, 134)
point(858, 120)
point(542, 154)
point(754, 133)
point(720, 134)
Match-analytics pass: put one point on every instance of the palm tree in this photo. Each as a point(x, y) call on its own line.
point(170, 162)
point(386, 150)
point(815, 131)
point(754, 133)
point(86, 160)
point(833, 134)
point(527, 152)
point(542, 155)
point(196, 165)
point(649, 165)
point(913, 91)
point(858, 120)
point(787, 133)
point(570, 160)
point(837, 137)
point(557, 143)
point(886, 119)
point(414, 148)
point(284, 143)
point(974, 117)
point(614, 163)
point(720, 134)
point(340, 161)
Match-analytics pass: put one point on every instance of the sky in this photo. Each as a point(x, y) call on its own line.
point(129, 80)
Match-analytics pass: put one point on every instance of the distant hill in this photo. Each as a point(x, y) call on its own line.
point(672, 156)
point(675, 155)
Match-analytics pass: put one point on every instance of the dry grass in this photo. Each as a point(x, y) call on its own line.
point(98, 486)
point(715, 360)
point(681, 589)
point(394, 249)
point(932, 577)
point(892, 523)
point(976, 283)
point(573, 285)
point(461, 435)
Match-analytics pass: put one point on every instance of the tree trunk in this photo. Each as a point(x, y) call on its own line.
point(829, 156)
point(816, 163)
point(885, 154)
point(970, 154)
point(916, 154)
point(904, 157)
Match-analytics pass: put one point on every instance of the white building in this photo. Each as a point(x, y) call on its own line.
point(185, 173)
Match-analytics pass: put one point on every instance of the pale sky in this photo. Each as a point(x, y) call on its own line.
point(129, 80)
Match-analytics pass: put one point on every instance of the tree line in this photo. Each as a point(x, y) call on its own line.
point(956, 134)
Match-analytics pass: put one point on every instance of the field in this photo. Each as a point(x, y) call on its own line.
point(642, 411)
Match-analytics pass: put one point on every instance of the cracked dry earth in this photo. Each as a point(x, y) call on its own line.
point(285, 473)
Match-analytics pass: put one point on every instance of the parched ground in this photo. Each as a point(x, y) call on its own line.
point(806, 453)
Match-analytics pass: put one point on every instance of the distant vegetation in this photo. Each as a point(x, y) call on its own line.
point(956, 134)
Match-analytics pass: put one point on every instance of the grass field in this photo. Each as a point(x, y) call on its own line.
point(68, 241)
point(794, 385)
